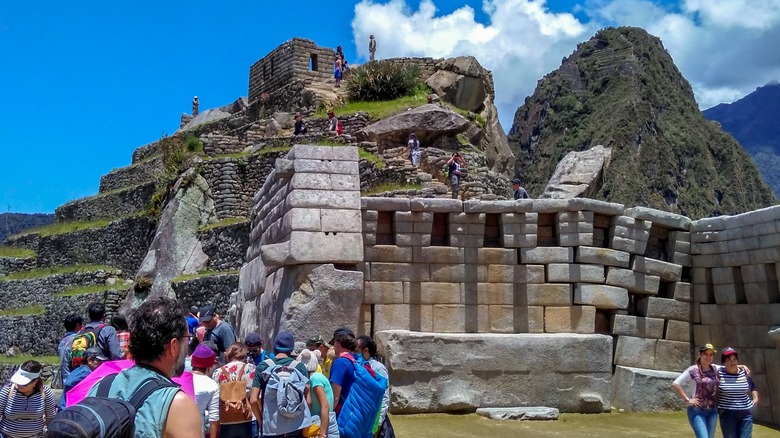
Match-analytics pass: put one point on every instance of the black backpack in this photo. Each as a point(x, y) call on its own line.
point(101, 416)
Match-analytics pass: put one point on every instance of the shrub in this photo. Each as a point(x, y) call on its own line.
point(382, 80)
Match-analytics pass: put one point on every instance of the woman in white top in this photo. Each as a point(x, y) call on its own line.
point(26, 404)
point(206, 389)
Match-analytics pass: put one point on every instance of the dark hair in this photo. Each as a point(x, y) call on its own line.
point(72, 321)
point(33, 366)
point(154, 324)
point(96, 311)
point(119, 322)
point(346, 341)
point(365, 341)
point(236, 351)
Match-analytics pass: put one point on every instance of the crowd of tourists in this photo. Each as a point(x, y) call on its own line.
point(180, 373)
point(713, 391)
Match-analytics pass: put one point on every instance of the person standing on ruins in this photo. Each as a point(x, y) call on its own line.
point(414, 149)
point(454, 166)
point(195, 105)
point(337, 70)
point(702, 404)
point(371, 47)
point(340, 53)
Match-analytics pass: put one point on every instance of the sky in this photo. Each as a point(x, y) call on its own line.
point(82, 84)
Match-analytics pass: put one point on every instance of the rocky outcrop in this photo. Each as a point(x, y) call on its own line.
point(463, 82)
point(175, 249)
point(430, 122)
point(579, 174)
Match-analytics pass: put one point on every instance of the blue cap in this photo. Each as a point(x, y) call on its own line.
point(284, 341)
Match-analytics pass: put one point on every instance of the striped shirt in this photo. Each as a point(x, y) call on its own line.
point(23, 416)
point(734, 390)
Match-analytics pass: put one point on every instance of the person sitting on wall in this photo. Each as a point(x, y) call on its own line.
point(300, 125)
point(334, 125)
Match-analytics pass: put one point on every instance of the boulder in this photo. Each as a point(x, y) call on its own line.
point(429, 121)
point(175, 249)
point(207, 116)
point(272, 128)
point(520, 413)
point(465, 92)
point(434, 372)
point(285, 120)
point(237, 106)
point(642, 390)
point(579, 174)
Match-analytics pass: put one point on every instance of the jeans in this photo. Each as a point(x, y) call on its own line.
point(255, 429)
point(238, 430)
point(736, 423)
point(455, 182)
point(702, 421)
point(296, 434)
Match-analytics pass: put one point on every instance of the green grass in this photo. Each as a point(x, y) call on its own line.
point(22, 311)
point(468, 115)
point(53, 270)
point(66, 227)
point(264, 151)
point(382, 109)
point(368, 156)
point(19, 253)
point(223, 223)
point(391, 187)
point(91, 289)
point(201, 275)
point(635, 425)
point(22, 358)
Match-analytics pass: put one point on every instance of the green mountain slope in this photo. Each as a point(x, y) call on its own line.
point(12, 223)
point(621, 89)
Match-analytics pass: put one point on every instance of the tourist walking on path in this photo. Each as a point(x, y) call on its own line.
point(206, 389)
point(73, 324)
point(217, 330)
point(119, 322)
point(341, 372)
point(737, 395)
point(702, 403)
point(368, 349)
point(26, 404)
point(454, 166)
point(371, 47)
point(413, 145)
point(337, 70)
point(106, 335)
point(520, 192)
point(320, 395)
point(235, 424)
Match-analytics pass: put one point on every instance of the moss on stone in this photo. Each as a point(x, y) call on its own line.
point(19, 253)
point(223, 223)
point(203, 274)
point(55, 270)
point(23, 311)
point(85, 290)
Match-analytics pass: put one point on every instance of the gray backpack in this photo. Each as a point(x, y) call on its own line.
point(284, 404)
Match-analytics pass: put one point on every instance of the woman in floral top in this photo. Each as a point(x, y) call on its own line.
point(236, 366)
point(702, 405)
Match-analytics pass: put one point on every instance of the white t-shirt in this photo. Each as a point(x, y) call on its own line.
point(207, 397)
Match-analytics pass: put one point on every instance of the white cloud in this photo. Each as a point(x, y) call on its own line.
point(725, 48)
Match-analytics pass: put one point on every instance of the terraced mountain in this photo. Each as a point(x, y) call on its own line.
point(621, 89)
point(754, 121)
point(12, 223)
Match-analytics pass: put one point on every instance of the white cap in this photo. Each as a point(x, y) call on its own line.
point(22, 377)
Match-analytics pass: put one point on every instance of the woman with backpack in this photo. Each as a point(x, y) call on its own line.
point(321, 402)
point(26, 404)
point(119, 322)
point(235, 380)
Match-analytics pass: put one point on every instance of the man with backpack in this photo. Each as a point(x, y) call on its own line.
point(279, 392)
point(95, 334)
point(73, 324)
point(141, 401)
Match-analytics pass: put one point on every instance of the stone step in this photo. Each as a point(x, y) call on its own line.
point(143, 171)
point(207, 288)
point(112, 204)
point(121, 243)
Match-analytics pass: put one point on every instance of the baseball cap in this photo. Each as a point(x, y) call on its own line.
point(284, 342)
point(95, 353)
point(341, 331)
point(728, 351)
point(207, 312)
point(317, 340)
point(253, 339)
point(516, 181)
point(705, 347)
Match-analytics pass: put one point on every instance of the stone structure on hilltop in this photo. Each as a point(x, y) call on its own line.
point(282, 232)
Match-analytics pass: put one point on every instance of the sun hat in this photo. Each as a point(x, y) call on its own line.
point(22, 377)
point(284, 342)
point(310, 359)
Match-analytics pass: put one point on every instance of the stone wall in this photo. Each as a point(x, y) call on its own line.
point(427, 66)
point(143, 152)
point(122, 244)
point(9, 265)
point(736, 262)
point(297, 58)
point(226, 245)
point(211, 289)
point(351, 123)
point(115, 204)
point(33, 291)
point(138, 173)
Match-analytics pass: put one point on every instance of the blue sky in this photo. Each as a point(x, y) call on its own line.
point(83, 84)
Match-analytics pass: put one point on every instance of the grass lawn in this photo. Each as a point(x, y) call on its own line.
point(391, 187)
point(54, 270)
point(22, 358)
point(644, 425)
point(19, 253)
point(379, 109)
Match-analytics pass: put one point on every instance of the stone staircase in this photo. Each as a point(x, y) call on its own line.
point(428, 174)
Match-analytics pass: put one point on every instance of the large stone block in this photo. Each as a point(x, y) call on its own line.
point(642, 390)
point(633, 246)
point(561, 370)
point(546, 295)
point(399, 272)
point(491, 256)
point(544, 255)
point(672, 355)
point(438, 254)
point(635, 282)
point(601, 296)
point(603, 256)
point(388, 253)
point(315, 247)
point(575, 319)
point(655, 307)
point(678, 331)
point(575, 273)
point(433, 293)
point(383, 292)
point(664, 270)
point(683, 292)
point(529, 274)
point(637, 326)
point(635, 352)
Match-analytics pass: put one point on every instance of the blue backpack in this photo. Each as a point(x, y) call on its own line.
point(359, 411)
